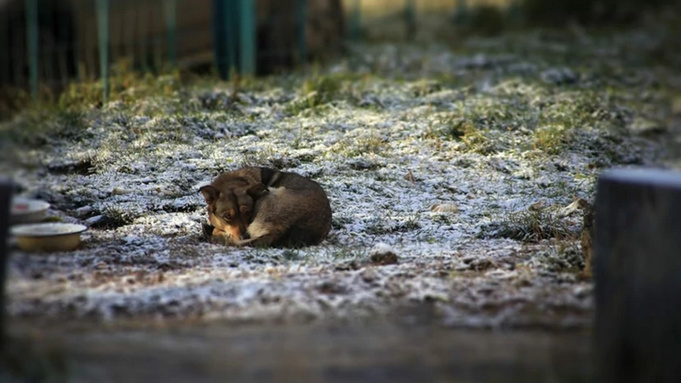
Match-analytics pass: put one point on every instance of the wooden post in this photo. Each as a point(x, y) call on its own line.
point(5, 200)
point(637, 252)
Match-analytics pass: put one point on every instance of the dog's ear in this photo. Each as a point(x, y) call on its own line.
point(210, 193)
point(256, 191)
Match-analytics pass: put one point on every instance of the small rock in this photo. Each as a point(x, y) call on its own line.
point(92, 221)
point(83, 211)
point(583, 291)
point(445, 208)
point(243, 99)
point(383, 254)
point(120, 191)
point(361, 164)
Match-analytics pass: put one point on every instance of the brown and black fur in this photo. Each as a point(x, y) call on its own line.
point(230, 206)
point(286, 209)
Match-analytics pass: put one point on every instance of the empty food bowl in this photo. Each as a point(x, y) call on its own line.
point(48, 236)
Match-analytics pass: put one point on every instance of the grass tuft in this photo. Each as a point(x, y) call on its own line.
point(529, 226)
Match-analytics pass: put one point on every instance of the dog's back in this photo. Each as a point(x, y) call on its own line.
point(293, 211)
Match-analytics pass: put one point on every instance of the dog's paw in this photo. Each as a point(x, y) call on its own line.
point(241, 242)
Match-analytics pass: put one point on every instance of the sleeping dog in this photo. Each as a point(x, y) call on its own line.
point(265, 207)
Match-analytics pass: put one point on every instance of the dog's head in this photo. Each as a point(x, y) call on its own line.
point(230, 207)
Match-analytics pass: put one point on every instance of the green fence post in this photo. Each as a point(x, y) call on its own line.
point(410, 18)
point(355, 21)
point(230, 18)
point(461, 12)
point(247, 38)
point(140, 16)
point(63, 49)
point(47, 46)
point(218, 31)
point(32, 45)
point(103, 33)
point(170, 8)
point(515, 13)
point(130, 45)
point(225, 34)
point(301, 20)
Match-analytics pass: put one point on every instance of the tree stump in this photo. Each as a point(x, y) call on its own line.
point(638, 276)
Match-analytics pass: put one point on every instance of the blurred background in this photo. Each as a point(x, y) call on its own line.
point(46, 44)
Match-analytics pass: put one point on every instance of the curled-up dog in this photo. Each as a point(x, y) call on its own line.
point(265, 207)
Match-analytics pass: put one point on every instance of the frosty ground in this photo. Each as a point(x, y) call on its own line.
point(463, 160)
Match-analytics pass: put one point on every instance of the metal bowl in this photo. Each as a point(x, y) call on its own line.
point(26, 210)
point(48, 236)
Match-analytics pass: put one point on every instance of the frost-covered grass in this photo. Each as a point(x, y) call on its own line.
point(462, 161)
